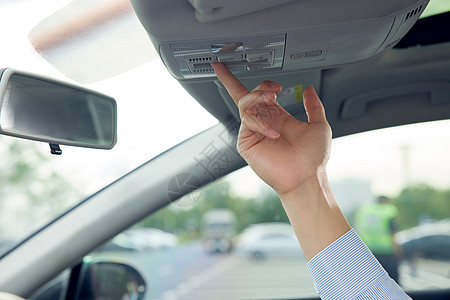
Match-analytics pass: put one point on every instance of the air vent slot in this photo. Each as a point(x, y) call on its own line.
point(204, 71)
point(200, 64)
point(199, 59)
point(413, 12)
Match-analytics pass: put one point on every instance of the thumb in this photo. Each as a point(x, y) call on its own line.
point(313, 106)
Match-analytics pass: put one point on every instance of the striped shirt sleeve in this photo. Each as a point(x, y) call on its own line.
point(347, 269)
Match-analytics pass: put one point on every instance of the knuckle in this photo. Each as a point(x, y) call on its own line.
point(266, 84)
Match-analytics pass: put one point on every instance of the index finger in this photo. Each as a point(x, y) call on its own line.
point(234, 87)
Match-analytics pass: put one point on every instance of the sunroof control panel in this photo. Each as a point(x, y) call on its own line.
point(247, 55)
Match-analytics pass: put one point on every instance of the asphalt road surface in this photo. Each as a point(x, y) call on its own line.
point(187, 272)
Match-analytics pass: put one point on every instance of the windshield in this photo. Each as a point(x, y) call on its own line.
point(37, 186)
point(435, 7)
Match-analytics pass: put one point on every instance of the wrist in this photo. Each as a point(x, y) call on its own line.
point(314, 214)
point(313, 185)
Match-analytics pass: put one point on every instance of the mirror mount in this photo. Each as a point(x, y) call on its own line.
point(55, 149)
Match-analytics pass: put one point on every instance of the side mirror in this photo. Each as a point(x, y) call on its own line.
point(43, 109)
point(110, 280)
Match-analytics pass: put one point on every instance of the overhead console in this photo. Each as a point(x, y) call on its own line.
point(253, 37)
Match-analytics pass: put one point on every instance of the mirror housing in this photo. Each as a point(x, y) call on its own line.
point(43, 109)
point(110, 280)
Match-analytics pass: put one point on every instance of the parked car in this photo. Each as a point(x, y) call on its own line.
point(260, 241)
point(157, 238)
point(141, 239)
point(430, 241)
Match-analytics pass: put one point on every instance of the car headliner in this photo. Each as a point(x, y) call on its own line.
point(400, 86)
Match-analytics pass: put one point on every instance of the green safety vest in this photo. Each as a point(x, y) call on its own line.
point(373, 224)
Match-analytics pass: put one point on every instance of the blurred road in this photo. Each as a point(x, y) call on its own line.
point(425, 274)
point(187, 272)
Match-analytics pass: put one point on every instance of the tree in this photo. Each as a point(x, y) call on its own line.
point(265, 208)
point(421, 201)
point(30, 193)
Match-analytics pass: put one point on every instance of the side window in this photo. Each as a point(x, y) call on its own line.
point(232, 241)
point(394, 188)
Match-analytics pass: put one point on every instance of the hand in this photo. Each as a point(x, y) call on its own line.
point(282, 150)
point(290, 156)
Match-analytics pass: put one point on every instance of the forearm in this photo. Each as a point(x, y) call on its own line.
point(314, 214)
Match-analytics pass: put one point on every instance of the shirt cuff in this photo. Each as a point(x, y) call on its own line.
point(345, 268)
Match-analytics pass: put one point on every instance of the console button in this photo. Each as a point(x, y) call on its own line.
point(259, 56)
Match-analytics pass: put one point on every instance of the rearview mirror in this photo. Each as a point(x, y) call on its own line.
point(43, 109)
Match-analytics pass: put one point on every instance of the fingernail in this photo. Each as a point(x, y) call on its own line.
point(273, 133)
point(266, 95)
point(274, 85)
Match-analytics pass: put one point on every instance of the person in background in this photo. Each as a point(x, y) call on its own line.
point(375, 224)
